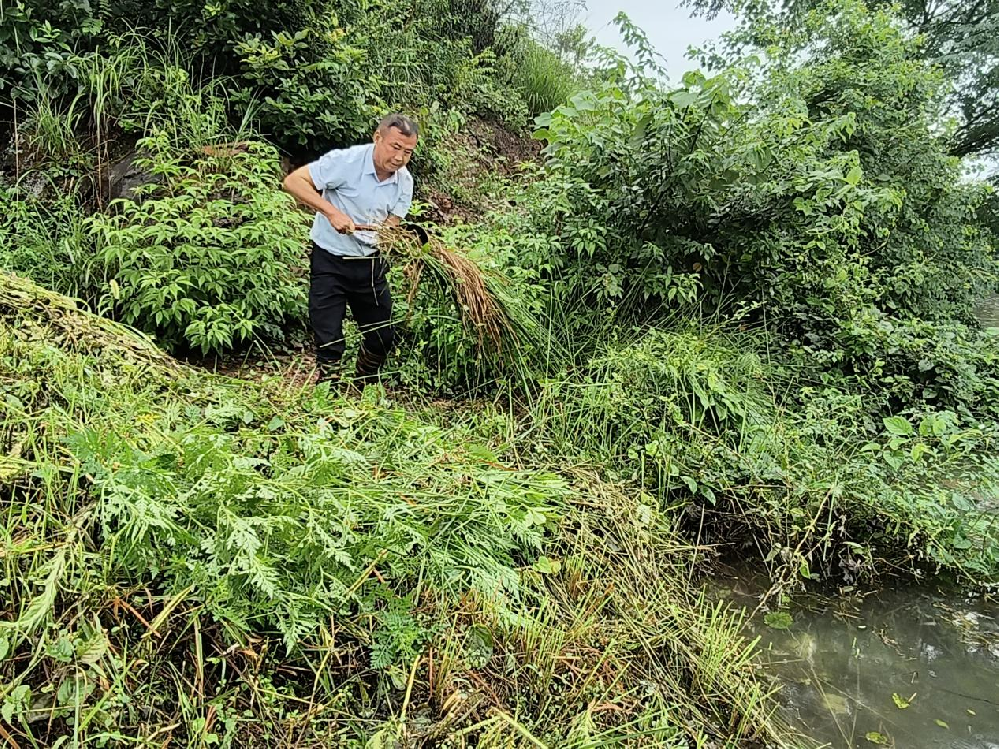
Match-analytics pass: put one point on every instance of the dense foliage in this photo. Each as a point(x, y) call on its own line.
point(206, 253)
point(275, 544)
point(958, 38)
point(751, 299)
point(812, 190)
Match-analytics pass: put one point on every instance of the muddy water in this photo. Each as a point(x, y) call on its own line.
point(914, 667)
point(910, 668)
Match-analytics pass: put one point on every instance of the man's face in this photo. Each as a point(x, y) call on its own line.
point(393, 150)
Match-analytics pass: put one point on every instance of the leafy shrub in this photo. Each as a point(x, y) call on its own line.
point(307, 87)
point(209, 29)
point(910, 363)
point(38, 43)
point(207, 255)
point(820, 486)
point(813, 190)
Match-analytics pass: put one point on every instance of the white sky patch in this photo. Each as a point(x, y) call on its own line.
point(669, 27)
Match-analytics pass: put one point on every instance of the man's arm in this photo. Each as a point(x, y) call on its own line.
point(299, 184)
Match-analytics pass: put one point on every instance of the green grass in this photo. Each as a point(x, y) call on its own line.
point(542, 77)
point(205, 560)
point(765, 457)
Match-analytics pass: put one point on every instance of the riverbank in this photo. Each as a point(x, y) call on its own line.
point(197, 559)
point(744, 308)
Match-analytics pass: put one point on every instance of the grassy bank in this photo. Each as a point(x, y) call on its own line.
point(204, 561)
point(733, 316)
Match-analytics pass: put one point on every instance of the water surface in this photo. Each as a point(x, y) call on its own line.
point(988, 312)
point(850, 665)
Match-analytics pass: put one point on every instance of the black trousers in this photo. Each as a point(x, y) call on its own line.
point(335, 283)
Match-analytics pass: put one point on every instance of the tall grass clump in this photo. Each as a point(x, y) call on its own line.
point(43, 235)
point(540, 75)
point(472, 320)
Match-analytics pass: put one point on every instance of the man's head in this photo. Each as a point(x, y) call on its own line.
point(395, 140)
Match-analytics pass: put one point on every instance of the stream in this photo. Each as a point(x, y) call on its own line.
point(988, 312)
point(914, 667)
point(911, 667)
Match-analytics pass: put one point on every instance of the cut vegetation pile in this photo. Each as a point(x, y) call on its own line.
point(497, 320)
point(193, 560)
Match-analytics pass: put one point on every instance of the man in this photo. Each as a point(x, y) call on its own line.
point(354, 191)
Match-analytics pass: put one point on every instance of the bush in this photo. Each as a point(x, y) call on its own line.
point(38, 43)
point(810, 478)
point(208, 255)
point(813, 190)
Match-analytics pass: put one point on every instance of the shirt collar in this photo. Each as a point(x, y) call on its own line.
point(370, 168)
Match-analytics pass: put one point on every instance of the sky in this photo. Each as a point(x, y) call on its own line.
point(668, 26)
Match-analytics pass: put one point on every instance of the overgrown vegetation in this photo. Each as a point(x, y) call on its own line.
point(735, 316)
point(205, 560)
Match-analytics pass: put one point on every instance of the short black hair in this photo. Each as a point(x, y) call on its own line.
point(400, 122)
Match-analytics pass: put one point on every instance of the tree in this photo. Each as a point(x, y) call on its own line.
point(959, 36)
point(812, 187)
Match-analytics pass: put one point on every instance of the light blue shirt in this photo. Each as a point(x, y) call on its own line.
point(348, 180)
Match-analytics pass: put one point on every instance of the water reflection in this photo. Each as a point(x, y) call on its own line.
point(988, 312)
point(904, 668)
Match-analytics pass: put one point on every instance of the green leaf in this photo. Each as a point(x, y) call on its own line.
point(91, 651)
point(483, 453)
point(898, 426)
point(547, 566)
point(900, 702)
point(876, 738)
point(941, 723)
point(961, 542)
point(479, 646)
point(778, 620)
point(683, 99)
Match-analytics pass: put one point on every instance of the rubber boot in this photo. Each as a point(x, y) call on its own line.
point(328, 371)
point(368, 367)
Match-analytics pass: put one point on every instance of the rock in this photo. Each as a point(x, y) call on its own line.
point(124, 177)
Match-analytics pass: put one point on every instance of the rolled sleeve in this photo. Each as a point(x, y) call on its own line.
point(328, 171)
point(405, 201)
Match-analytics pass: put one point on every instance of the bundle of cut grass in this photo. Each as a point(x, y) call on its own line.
point(498, 321)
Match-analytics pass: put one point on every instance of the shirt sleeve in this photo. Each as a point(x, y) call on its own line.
point(328, 171)
point(402, 205)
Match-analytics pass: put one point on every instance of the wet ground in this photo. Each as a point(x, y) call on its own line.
point(909, 667)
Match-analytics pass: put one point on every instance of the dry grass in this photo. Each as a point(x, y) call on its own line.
point(486, 313)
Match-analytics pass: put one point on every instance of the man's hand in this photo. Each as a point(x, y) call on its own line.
point(299, 183)
point(340, 221)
